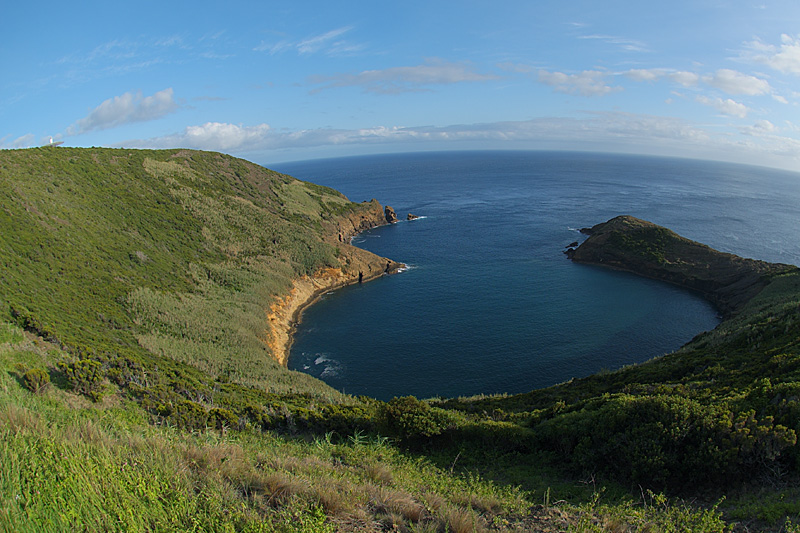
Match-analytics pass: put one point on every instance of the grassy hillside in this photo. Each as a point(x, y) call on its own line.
point(139, 388)
point(136, 256)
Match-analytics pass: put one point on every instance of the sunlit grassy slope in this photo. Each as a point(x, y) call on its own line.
point(137, 392)
point(160, 254)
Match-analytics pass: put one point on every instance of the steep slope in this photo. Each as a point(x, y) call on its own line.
point(188, 255)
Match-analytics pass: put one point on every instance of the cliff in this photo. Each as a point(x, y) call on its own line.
point(634, 245)
point(355, 266)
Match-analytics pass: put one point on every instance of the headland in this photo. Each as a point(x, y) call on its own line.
point(633, 245)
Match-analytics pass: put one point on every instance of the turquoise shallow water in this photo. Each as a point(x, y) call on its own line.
point(489, 303)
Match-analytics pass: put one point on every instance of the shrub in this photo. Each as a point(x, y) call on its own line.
point(85, 376)
point(666, 441)
point(222, 418)
point(185, 414)
point(36, 380)
point(410, 418)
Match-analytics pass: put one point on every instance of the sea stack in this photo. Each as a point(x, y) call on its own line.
point(391, 216)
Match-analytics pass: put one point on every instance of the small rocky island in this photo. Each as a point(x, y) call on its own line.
point(391, 215)
point(630, 244)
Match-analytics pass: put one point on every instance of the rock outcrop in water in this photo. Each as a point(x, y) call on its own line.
point(391, 216)
point(627, 243)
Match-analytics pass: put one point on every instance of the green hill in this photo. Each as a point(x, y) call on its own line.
point(145, 300)
point(137, 256)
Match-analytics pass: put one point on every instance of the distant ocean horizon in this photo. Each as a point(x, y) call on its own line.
point(490, 304)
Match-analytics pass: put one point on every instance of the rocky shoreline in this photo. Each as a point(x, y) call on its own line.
point(356, 266)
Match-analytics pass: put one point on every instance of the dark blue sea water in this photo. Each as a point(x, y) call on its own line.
point(490, 304)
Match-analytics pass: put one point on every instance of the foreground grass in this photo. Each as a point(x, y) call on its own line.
point(69, 464)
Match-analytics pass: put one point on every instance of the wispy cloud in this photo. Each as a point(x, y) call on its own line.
point(404, 79)
point(127, 108)
point(24, 141)
point(239, 138)
point(617, 131)
point(759, 129)
point(324, 41)
point(629, 45)
point(329, 43)
point(726, 80)
point(587, 83)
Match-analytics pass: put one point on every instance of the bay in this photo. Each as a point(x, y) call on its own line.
point(489, 303)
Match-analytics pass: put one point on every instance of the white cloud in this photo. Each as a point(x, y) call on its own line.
point(759, 129)
point(642, 74)
point(605, 131)
point(404, 79)
point(213, 136)
point(784, 58)
point(733, 82)
point(127, 108)
point(587, 83)
point(727, 107)
point(687, 79)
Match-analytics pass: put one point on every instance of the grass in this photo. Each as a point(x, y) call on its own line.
point(67, 462)
point(137, 392)
point(105, 468)
point(159, 253)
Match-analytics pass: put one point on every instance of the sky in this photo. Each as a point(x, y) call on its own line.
point(286, 81)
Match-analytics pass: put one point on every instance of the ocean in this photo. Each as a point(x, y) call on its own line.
point(489, 303)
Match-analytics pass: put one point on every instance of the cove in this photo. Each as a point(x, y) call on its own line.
point(490, 304)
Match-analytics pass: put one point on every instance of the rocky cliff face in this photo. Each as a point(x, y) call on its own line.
point(355, 266)
point(634, 245)
point(345, 227)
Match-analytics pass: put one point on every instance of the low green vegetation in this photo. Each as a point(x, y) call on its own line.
point(70, 463)
point(651, 245)
point(137, 392)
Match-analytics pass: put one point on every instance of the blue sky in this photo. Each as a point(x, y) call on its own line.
point(281, 81)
